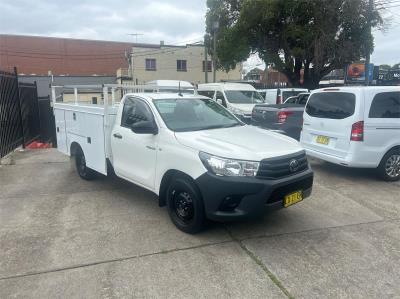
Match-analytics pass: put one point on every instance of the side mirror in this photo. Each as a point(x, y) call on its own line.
point(219, 101)
point(145, 127)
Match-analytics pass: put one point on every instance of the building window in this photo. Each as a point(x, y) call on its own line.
point(209, 66)
point(94, 100)
point(181, 66)
point(150, 64)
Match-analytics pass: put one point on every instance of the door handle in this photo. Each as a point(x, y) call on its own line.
point(117, 135)
point(151, 147)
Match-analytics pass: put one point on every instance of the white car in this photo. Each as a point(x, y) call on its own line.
point(355, 127)
point(239, 98)
point(194, 154)
point(280, 95)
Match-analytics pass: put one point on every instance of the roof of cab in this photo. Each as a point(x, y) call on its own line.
point(226, 85)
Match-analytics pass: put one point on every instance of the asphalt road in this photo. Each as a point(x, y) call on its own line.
point(62, 237)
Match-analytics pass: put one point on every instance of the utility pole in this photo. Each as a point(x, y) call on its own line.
point(367, 46)
point(205, 59)
point(214, 57)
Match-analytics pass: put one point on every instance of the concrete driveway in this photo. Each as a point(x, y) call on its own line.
point(61, 236)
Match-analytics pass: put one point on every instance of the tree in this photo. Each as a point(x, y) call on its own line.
point(315, 35)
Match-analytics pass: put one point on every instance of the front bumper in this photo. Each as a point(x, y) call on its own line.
point(255, 196)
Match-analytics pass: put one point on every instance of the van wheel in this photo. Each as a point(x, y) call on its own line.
point(185, 205)
point(80, 162)
point(389, 168)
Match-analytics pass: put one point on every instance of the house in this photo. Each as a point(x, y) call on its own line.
point(169, 62)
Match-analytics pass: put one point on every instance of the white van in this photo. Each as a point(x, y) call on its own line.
point(355, 127)
point(280, 95)
point(239, 98)
point(173, 86)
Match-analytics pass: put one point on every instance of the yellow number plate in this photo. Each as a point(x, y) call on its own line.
point(323, 140)
point(292, 198)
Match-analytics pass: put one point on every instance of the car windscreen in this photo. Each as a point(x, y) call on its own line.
point(243, 97)
point(184, 115)
point(290, 93)
point(334, 105)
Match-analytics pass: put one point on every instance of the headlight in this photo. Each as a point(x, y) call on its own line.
point(229, 167)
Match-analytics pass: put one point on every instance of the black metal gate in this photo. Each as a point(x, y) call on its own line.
point(47, 122)
point(29, 112)
point(11, 135)
point(19, 113)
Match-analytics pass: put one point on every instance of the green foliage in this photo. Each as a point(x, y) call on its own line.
point(316, 35)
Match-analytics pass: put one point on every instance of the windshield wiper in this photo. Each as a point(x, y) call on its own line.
point(216, 127)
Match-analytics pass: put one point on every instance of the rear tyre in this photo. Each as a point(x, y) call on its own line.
point(389, 168)
point(80, 162)
point(185, 205)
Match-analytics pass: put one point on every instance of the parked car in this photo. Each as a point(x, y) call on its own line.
point(239, 98)
point(284, 118)
point(279, 95)
point(173, 86)
point(355, 127)
point(199, 159)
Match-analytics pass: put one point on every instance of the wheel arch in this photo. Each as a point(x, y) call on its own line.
point(166, 179)
point(396, 147)
point(74, 148)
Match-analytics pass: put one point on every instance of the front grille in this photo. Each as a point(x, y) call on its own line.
point(279, 193)
point(279, 167)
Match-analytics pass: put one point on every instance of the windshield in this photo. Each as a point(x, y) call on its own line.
point(184, 115)
point(290, 93)
point(334, 105)
point(243, 97)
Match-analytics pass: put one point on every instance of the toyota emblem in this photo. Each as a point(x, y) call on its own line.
point(293, 165)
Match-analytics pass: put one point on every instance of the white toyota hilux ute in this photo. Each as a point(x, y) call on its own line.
point(201, 161)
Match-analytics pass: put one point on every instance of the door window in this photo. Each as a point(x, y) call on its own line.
point(385, 105)
point(135, 111)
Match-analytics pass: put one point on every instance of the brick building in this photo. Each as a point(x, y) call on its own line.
point(62, 56)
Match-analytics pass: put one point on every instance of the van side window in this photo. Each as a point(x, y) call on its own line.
point(206, 93)
point(135, 111)
point(219, 95)
point(385, 105)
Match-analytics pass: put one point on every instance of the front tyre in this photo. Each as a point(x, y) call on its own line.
point(185, 205)
point(389, 168)
point(80, 162)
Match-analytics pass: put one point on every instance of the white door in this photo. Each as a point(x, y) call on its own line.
point(382, 124)
point(61, 134)
point(328, 120)
point(134, 155)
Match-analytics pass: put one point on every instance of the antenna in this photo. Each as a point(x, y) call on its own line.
point(135, 35)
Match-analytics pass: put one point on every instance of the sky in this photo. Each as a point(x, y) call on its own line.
point(173, 21)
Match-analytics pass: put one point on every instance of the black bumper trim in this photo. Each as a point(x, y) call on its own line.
point(256, 193)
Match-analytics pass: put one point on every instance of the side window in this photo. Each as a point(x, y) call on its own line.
point(220, 95)
point(385, 105)
point(206, 93)
point(135, 111)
